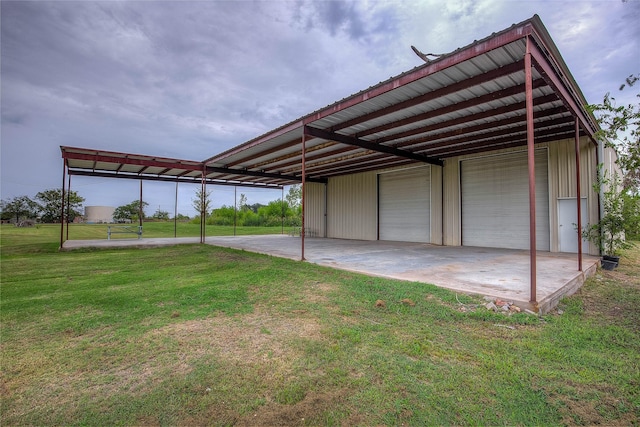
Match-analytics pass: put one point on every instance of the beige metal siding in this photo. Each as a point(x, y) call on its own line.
point(562, 182)
point(314, 211)
point(451, 217)
point(352, 207)
point(436, 205)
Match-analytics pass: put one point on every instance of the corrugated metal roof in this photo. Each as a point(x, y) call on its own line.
point(468, 101)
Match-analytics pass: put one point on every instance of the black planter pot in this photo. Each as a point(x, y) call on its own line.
point(608, 265)
point(615, 259)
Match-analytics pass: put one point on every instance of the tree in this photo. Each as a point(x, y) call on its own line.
point(621, 130)
point(608, 233)
point(19, 207)
point(129, 212)
point(50, 205)
point(202, 205)
point(243, 202)
point(294, 196)
point(161, 215)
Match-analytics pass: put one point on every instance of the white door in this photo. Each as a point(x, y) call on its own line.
point(495, 201)
point(404, 205)
point(567, 223)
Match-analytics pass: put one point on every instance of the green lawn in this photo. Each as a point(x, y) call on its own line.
point(199, 335)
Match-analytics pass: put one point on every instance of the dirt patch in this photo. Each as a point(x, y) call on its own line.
point(580, 411)
point(317, 293)
point(308, 411)
point(252, 339)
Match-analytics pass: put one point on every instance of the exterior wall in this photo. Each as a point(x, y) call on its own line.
point(436, 205)
point(562, 182)
point(352, 207)
point(451, 210)
point(348, 210)
point(99, 214)
point(315, 209)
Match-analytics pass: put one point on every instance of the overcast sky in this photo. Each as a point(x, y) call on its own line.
point(189, 79)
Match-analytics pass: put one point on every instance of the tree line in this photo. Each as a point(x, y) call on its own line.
point(44, 207)
point(287, 212)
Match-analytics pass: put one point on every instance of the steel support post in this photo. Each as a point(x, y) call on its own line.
point(282, 210)
point(64, 173)
point(141, 210)
point(302, 233)
point(175, 214)
point(68, 203)
point(202, 208)
point(532, 170)
point(578, 196)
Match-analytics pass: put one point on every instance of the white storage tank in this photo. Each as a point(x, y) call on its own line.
point(98, 214)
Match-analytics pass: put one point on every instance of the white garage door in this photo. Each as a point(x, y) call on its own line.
point(404, 205)
point(495, 201)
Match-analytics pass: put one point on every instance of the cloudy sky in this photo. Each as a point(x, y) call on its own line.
point(189, 79)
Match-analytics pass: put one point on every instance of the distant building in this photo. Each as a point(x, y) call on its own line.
point(98, 214)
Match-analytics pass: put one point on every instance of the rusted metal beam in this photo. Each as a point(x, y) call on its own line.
point(551, 76)
point(256, 141)
point(461, 55)
point(64, 170)
point(189, 180)
point(283, 146)
point(532, 171)
point(438, 93)
point(304, 172)
point(479, 132)
point(166, 163)
point(68, 203)
point(211, 169)
point(515, 143)
point(436, 126)
point(486, 113)
point(344, 139)
point(578, 198)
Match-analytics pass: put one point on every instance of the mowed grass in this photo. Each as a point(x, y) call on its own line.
point(199, 335)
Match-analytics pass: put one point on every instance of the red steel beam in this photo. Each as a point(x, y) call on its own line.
point(436, 126)
point(64, 170)
point(461, 55)
point(429, 96)
point(486, 113)
point(171, 163)
point(304, 172)
point(550, 75)
point(480, 131)
point(492, 146)
point(349, 140)
point(188, 180)
point(532, 171)
point(256, 141)
point(271, 150)
point(578, 199)
point(436, 149)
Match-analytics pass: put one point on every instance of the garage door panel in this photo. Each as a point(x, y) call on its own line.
point(404, 205)
point(495, 201)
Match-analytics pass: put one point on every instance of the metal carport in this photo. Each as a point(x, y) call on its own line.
point(510, 89)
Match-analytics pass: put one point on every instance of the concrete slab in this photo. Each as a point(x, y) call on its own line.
point(499, 273)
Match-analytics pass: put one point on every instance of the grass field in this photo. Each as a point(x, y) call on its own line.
point(199, 335)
